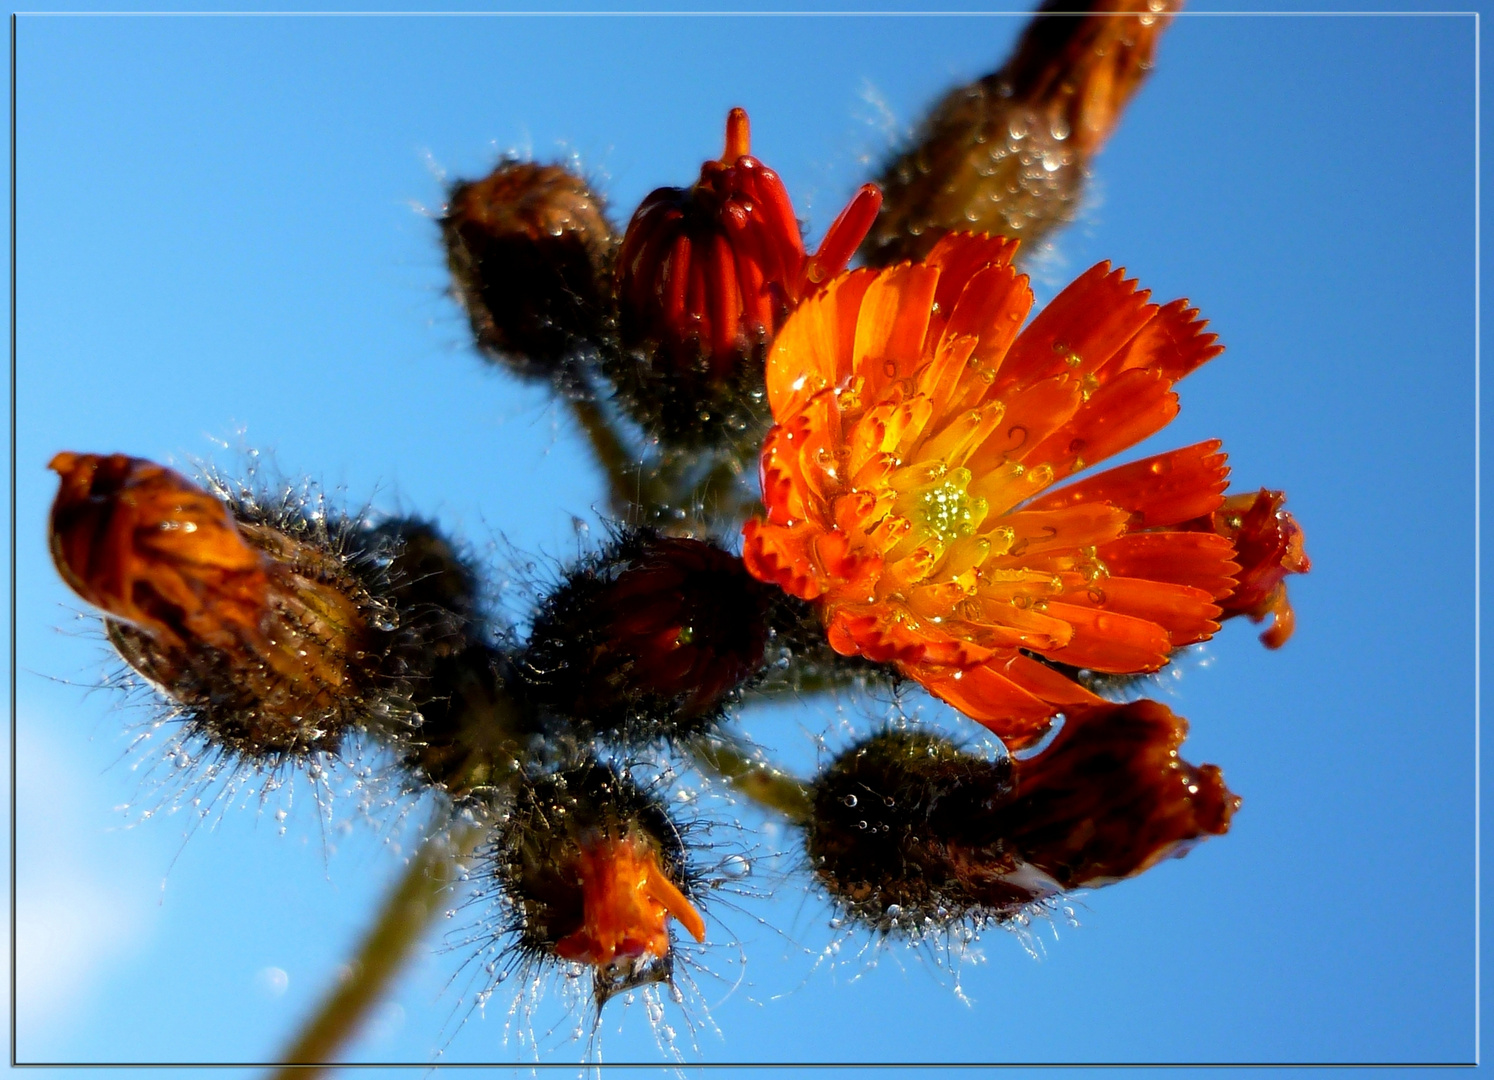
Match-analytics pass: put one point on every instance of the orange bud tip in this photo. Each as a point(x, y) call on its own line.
point(667, 894)
point(627, 899)
point(738, 136)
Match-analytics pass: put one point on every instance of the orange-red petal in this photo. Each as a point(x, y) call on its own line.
point(1158, 491)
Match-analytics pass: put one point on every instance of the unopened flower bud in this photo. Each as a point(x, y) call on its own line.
point(895, 836)
point(261, 636)
point(466, 733)
point(592, 869)
point(1268, 547)
point(1007, 154)
point(706, 276)
point(648, 640)
point(908, 828)
point(529, 248)
point(434, 587)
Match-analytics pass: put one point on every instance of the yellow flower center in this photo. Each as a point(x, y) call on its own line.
point(949, 511)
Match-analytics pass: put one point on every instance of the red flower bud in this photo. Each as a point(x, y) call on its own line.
point(647, 640)
point(707, 275)
point(1110, 797)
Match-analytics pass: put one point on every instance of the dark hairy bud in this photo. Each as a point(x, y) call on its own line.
point(894, 835)
point(646, 641)
point(530, 250)
point(466, 735)
point(592, 869)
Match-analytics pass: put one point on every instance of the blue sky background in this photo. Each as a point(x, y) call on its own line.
point(226, 241)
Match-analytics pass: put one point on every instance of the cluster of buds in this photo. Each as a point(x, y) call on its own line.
point(680, 311)
point(925, 516)
point(276, 635)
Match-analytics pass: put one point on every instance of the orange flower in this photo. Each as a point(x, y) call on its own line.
point(1268, 547)
point(907, 480)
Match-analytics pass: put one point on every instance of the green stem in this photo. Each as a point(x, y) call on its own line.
point(769, 787)
point(812, 682)
point(407, 913)
point(623, 477)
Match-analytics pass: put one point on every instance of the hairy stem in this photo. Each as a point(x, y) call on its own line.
point(407, 913)
point(623, 476)
point(764, 784)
